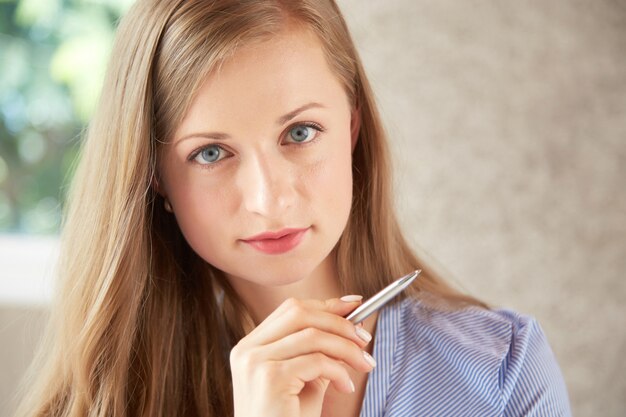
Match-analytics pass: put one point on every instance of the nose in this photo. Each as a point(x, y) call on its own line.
point(267, 185)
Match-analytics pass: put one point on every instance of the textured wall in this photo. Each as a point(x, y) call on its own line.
point(508, 123)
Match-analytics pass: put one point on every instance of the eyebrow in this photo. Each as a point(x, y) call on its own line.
point(284, 119)
point(280, 121)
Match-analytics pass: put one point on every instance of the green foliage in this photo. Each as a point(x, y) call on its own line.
point(53, 55)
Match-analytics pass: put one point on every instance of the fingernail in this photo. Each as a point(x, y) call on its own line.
point(352, 386)
point(369, 359)
point(351, 298)
point(363, 334)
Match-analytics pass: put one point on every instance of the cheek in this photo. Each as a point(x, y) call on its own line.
point(329, 183)
point(343, 185)
point(202, 212)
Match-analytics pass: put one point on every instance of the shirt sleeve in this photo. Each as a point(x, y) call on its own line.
point(530, 378)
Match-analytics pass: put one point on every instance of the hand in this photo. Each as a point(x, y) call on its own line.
point(283, 367)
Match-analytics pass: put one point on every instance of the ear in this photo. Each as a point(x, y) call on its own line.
point(155, 184)
point(355, 126)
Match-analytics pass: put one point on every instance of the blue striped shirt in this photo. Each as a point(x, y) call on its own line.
point(471, 362)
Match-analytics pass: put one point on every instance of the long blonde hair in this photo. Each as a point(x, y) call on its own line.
point(132, 331)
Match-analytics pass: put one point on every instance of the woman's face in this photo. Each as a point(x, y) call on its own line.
point(266, 147)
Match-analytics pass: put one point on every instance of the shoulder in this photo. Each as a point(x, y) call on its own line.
point(497, 358)
point(468, 328)
point(530, 378)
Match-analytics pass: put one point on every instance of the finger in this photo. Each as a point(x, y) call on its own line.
point(340, 306)
point(310, 367)
point(312, 340)
point(298, 316)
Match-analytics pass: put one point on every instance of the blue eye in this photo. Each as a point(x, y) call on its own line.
point(209, 155)
point(299, 133)
point(304, 132)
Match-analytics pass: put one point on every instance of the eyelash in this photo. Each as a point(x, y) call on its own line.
point(311, 125)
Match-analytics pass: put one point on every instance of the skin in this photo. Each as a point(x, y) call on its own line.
point(252, 176)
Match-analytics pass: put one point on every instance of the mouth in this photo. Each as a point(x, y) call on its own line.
point(274, 243)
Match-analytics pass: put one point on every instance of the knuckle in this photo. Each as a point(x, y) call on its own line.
point(243, 359)
point(296, 310)
point(311, 333)
point(235, 353)
point(329, 304)
point(291, 303)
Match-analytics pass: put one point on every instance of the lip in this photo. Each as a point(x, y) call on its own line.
point(276, 242)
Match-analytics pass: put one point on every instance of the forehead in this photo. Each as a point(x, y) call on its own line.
point(285, 71)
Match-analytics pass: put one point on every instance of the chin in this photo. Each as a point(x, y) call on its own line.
point(285, 275)
point(279, 272)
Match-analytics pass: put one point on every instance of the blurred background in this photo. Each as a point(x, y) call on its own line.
point(507, 122)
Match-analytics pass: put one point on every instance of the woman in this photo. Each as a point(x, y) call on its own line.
point(233, 186)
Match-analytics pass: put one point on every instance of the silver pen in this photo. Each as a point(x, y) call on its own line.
point(381, 298)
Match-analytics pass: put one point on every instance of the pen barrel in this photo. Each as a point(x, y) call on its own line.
point(381, 298)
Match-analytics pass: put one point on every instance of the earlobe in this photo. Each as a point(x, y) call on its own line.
point(355, 126)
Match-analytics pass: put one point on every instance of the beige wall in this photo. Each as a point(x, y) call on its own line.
point(508, 123)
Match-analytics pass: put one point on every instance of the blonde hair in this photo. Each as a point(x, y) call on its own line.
point(132, 332)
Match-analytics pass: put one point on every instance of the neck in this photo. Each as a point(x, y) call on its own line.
point(262, 300)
